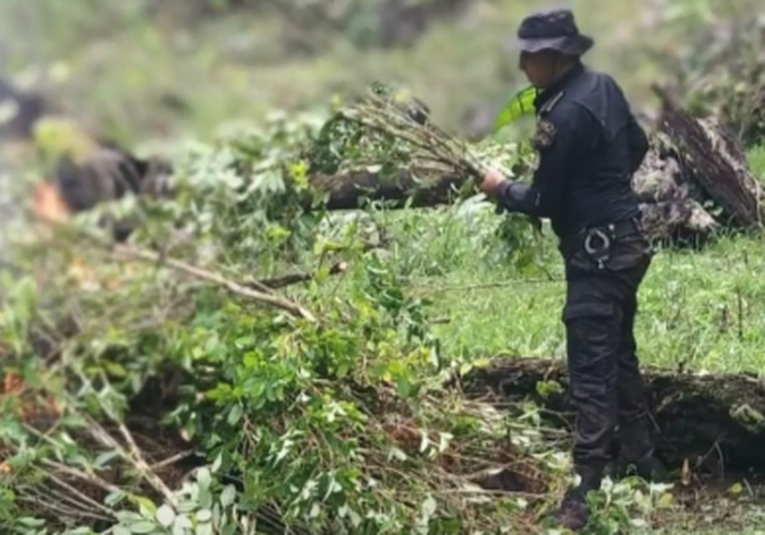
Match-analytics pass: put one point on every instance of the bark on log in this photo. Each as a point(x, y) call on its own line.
point(347, 191)
point(714, 161)
point(668, 200)
point(707, 419)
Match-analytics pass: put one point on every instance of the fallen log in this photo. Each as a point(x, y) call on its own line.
point(713, 420)
point(714, 161)
point(671, 211)
point(347, 191)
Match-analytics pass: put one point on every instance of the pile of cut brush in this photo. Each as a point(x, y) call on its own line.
point(246, 376)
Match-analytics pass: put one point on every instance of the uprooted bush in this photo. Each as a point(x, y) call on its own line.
point(164, 386)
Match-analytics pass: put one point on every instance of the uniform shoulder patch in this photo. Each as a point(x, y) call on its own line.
point(545, 134)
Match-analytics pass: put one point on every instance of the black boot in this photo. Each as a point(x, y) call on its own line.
point(573, 512)
point(635, 452)
point(648, 468)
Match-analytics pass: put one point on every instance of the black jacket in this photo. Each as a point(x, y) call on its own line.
point(589, 146)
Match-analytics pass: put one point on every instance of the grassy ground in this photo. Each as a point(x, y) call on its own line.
point(702, 311)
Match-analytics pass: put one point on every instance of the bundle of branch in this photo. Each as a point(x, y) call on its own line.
point(433, 446)
point(395, 116)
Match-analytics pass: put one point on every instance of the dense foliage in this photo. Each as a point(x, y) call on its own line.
point(322, 407)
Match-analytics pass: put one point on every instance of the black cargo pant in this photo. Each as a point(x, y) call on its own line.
point(605, 381)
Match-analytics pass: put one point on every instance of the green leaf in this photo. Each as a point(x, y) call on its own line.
point(215, 468)
point(146, 507)
point(665, 501)
point(103, 459)
point(216, 515)
point(120, 530)
point(204, 478)
point(522, 103)
point(736, 488)
point(187, 506)
point(228, 496)
point(429, 507)
point(182, 522)
point(31, 522)
point(143, 527)
point(115, 369)
point(77, 531)
point(165, 515)
point(235, 414)
point(404, 387)
point(204, 498)
point(204, 515)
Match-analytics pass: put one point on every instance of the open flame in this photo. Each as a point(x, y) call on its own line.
point(49, 204)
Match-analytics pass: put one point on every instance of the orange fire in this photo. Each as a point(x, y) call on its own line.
point(49, 204)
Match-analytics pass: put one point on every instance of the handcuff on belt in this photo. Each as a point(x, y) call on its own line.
point(599, 252)
point(598, 241)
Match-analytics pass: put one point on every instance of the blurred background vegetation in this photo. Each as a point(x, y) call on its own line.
point(145, 71)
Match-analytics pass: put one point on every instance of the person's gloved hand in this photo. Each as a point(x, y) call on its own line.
point(495, 185)
point(492, 182)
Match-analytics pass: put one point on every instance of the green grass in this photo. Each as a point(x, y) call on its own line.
point(702, 311)
point(689, 311)
point(757, 161)
point(699, 310)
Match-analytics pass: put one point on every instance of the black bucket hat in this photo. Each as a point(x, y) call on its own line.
point(552, 30)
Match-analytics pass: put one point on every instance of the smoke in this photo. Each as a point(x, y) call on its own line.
point(10, 213)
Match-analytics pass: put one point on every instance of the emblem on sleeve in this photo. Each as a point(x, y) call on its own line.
point(545, 134)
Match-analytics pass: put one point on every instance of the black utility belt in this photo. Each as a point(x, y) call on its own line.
point(597, 241)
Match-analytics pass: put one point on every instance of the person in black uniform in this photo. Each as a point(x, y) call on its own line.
point(589, 145)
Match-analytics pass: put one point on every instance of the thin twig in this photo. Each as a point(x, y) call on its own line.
point(172, 460)
point(82, 496)
point(133, 456)
point(296, 278)
point(216, 278)
point(487, 285)
point(62, 509)
point(199, 273)
point(89, 476)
